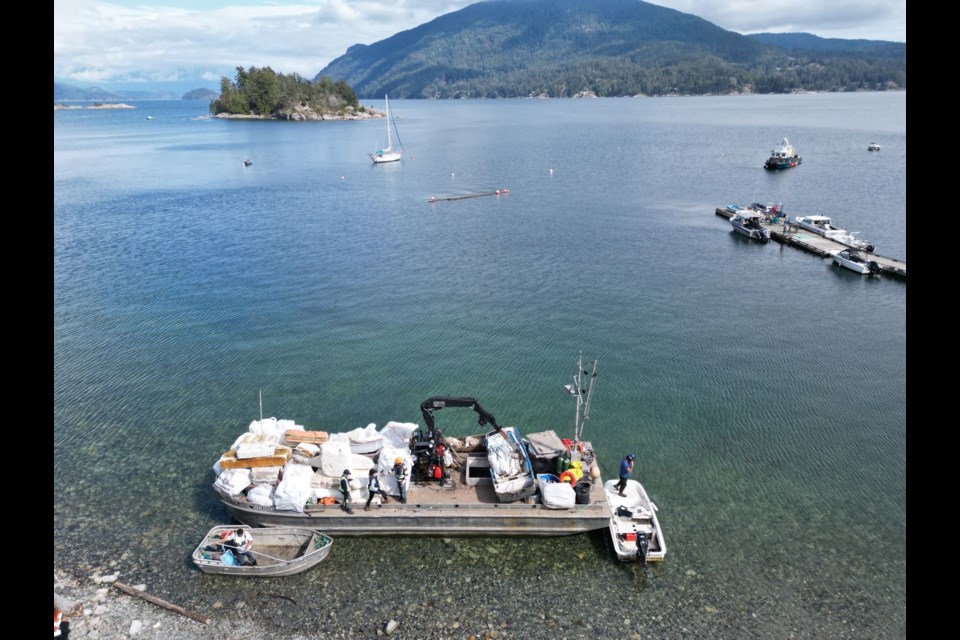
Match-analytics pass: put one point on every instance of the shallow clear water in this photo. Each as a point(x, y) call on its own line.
point(763, 389)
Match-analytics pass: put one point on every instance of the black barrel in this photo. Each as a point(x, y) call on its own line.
point(583, 492)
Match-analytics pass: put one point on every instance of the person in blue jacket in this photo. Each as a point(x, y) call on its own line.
point(626, 468)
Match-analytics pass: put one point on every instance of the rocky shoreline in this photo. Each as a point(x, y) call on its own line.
point(301, 114)
point(103, 612)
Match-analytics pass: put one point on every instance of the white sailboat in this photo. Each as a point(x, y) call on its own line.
point(388, 153)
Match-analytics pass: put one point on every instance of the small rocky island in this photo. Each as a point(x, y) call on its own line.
point(263, 94)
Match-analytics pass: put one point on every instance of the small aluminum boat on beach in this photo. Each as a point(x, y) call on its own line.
point(280, 551)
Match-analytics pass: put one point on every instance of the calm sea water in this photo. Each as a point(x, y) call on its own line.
point(762, 388)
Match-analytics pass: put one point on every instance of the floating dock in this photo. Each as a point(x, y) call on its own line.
point(468, 195)
point(820, 245)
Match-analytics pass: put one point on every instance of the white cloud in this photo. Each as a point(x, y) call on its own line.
point(101, 41)
point(129, 40)
point(867, 19)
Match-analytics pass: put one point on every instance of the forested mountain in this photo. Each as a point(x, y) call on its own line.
point(809, 42)
point(514, 48)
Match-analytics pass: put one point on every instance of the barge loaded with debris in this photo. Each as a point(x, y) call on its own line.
point(498, 483)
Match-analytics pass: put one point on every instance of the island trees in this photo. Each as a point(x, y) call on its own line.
point(264, 92)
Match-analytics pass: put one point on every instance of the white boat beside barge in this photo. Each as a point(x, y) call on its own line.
point(461, 500)
point(634, 528)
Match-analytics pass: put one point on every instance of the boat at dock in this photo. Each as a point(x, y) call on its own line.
point(823, 225)
point(634, 528)
point(280, 551)
point(856, 261)
point(749, 224)
point(783, 156)
point(486, 484)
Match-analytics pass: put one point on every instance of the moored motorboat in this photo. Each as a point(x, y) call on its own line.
point(823, 225)
point(634, 528)
point(783, 156)
point(749, 223)
point(279, 551)
point(856, 261)
point(873, 146)
point(388, 153)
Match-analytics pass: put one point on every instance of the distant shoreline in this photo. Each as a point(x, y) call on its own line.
point(119, 105)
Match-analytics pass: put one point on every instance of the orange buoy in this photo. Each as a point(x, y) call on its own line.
point(569, 476)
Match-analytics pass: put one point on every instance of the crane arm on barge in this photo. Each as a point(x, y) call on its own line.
point(428, 406)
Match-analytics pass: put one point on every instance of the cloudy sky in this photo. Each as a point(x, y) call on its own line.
point(108, 42)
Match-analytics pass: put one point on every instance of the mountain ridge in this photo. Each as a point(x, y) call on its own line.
point(561, 48)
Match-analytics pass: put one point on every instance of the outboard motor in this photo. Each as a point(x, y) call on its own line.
point(874, 267)
point(642, 546)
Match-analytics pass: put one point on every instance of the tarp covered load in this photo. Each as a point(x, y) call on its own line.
point(545, 444)
point(555, 494)
point(545, 448)
point(272, 426)
point(334, 457)
point(261, 494)
point(509, 467)
point(294, 490)
point(265, 475)
point(365, 440)
point(248, 439)
point(233, 481)
point(397, 434)
point(388, 457)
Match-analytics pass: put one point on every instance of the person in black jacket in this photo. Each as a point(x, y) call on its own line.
point(345, 490)
point(373, 487)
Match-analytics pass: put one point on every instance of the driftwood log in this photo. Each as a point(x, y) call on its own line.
point(161, 603)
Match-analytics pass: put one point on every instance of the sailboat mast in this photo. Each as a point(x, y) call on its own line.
point(386, 102)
